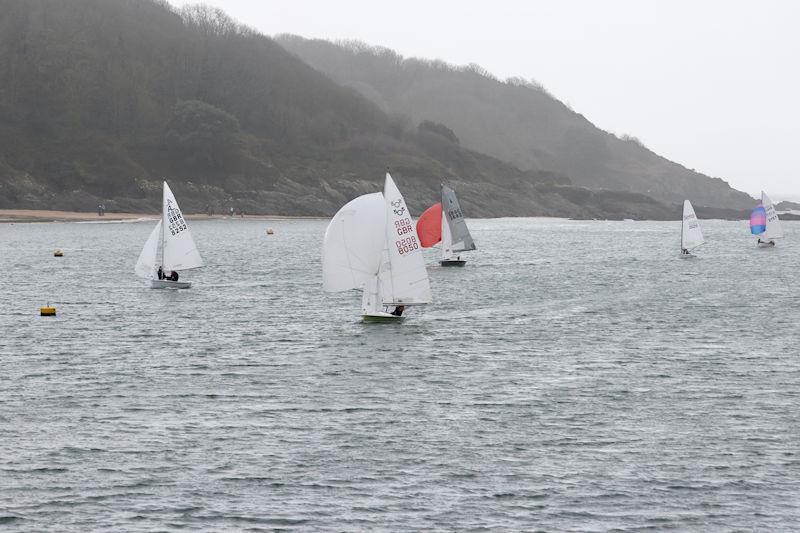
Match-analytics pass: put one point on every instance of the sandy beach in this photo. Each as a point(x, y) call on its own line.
point(39, 215)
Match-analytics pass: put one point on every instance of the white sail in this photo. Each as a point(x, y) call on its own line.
point(403, 277)
point(179, 249)
point(691, 236)
point(354, 240)
point(774, 229)
point(146, 265)
point(447, 239)
point(371, 298)
point(460, 238)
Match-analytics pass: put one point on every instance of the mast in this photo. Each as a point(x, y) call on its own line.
point(444, 232)
point(683, 221)
point(444, 220)
point(163, 223)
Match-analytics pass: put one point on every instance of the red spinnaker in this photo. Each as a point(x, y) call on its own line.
point(429, 226)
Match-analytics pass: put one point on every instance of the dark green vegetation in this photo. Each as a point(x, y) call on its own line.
point(101, 99)
point(513, 120)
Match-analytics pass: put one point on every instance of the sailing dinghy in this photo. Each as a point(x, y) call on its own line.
point(765, 223)
point(170, 246)
point(691, 236)
point(371, 245)
point(445, 222)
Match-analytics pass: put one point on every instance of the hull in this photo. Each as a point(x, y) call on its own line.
point(168, 284)
point(381, 318)
point(765, 244)
point(688, 256)
point(453, 262)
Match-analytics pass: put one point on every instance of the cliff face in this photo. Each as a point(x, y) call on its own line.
point(514, 121)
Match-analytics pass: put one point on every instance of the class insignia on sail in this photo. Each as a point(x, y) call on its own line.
point(371, 245)
point(169, 248)
point(444, 222)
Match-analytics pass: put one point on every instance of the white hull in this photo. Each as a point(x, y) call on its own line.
point(379, 316)
point(169, 284)
point(688, 256)
point(768, 244)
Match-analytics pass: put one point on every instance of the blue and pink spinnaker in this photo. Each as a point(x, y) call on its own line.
point(758, 220)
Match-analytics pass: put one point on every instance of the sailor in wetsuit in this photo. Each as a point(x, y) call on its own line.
point(163, 275)
point(398, 311)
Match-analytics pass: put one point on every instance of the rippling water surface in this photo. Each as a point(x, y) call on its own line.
point(574, 376)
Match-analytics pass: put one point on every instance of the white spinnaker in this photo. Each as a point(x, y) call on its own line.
point(403, 277)
point(146, 265)
point(354, 240)
point(691, 236)
point(180, 251)
point(371, 301)
point(774, 229)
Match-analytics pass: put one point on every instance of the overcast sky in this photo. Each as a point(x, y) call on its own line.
point(711, 84)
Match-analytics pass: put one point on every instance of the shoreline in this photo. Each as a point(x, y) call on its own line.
point(11, 216)
point(42, 215)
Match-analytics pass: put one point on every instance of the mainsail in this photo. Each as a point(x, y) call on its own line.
point(403, 278)
point(691, 236)
point(179, 249)
point(459, 233)
point(773, 229)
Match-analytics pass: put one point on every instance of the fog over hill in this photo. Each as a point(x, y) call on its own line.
point(513, 120)
point(102, 99)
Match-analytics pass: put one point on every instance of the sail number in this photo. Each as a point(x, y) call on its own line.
point(176, 222)
point(453, 214)
point(403, 226)
point(407, 244)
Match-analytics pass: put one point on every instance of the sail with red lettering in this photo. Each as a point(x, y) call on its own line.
point(403, 278)
point(371, 245)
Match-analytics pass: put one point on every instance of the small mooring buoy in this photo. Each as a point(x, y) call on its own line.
point(47, 311)
point(269, 231)
point(58, 253)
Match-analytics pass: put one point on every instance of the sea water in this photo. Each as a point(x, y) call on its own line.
point(573, 376)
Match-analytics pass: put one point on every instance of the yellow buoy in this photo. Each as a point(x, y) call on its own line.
point(269, 231)
point(48, 311)
point(58, 253)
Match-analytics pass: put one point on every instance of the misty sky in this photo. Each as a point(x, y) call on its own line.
point(711, 84)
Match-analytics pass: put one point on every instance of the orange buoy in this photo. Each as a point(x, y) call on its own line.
point(58, 253)
point(47, 311)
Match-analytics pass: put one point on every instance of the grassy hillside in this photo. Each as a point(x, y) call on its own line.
point(515, 121)
point(102, 99)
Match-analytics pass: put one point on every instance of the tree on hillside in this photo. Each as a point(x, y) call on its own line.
point(428, 126)
point(205, 136)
